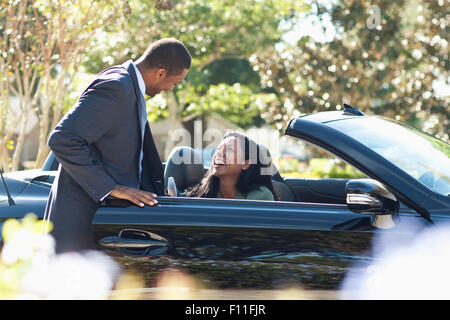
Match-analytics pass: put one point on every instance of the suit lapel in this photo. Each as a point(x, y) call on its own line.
point(140, 99)
point(152, 167)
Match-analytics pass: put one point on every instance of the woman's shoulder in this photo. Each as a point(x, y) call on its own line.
point(260, 193)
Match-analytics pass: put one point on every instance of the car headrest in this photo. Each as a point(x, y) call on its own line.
point(185, 166)
point(265, 158)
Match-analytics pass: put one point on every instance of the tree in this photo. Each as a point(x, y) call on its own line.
point(385, 64)
point(41, 48)
point(215, 32)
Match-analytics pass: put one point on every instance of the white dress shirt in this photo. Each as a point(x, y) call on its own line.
point(143, 118)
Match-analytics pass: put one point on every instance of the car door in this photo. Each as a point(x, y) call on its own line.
point(237, 243)
point(319, 190)
point(255, 244)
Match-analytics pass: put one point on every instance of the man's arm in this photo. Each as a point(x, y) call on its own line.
point(94, 114)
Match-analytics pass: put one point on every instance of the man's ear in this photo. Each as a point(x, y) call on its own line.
point(161, 74)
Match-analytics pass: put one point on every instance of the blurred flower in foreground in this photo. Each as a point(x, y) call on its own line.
point(22, 240)
point(177, 285)
point(292, 293)
point(128, 287)
point(90, 275)
point(171, 284)
point(30, 269)
point(23, 249)
point(411, 264)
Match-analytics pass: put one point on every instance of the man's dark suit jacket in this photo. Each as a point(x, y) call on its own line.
point(98, 145)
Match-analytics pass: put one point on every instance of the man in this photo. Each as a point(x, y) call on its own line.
point(104, 144)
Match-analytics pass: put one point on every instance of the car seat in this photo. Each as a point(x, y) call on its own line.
point(282, 190)
point(185, 166)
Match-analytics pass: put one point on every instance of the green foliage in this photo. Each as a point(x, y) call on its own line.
point(220, 36)
point(387, 70)
point(21, 241)
point(241, 68)
point(157, 109)
point(230, 71)
point(235, 102)
point(41, 45)
point(209, 28)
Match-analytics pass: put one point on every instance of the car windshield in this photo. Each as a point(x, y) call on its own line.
point(422, 156)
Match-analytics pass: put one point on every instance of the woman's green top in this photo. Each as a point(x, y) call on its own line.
point(261, 193)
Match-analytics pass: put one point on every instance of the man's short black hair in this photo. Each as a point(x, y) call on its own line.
point(167, 53)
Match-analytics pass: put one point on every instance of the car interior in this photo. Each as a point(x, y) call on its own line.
point(185, 166)
point(187, 174)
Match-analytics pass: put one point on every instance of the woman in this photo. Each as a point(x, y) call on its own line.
point(237, 172)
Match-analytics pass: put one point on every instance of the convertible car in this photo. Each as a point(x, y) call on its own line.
point(318, 231)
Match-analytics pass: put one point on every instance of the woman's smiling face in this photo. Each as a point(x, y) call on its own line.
point(229, 160)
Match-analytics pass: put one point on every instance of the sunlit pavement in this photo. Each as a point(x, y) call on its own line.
point(203, 294)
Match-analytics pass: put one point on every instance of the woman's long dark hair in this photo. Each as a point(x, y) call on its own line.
point(248, 180)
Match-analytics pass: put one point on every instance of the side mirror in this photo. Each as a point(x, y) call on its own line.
point(370, 196)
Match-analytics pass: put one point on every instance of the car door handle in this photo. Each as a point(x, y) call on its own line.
point(119, 242)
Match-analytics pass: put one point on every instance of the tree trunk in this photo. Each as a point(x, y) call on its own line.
point(43, 133)
point(4, 156)
point(4, 153)
point(19, 143)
